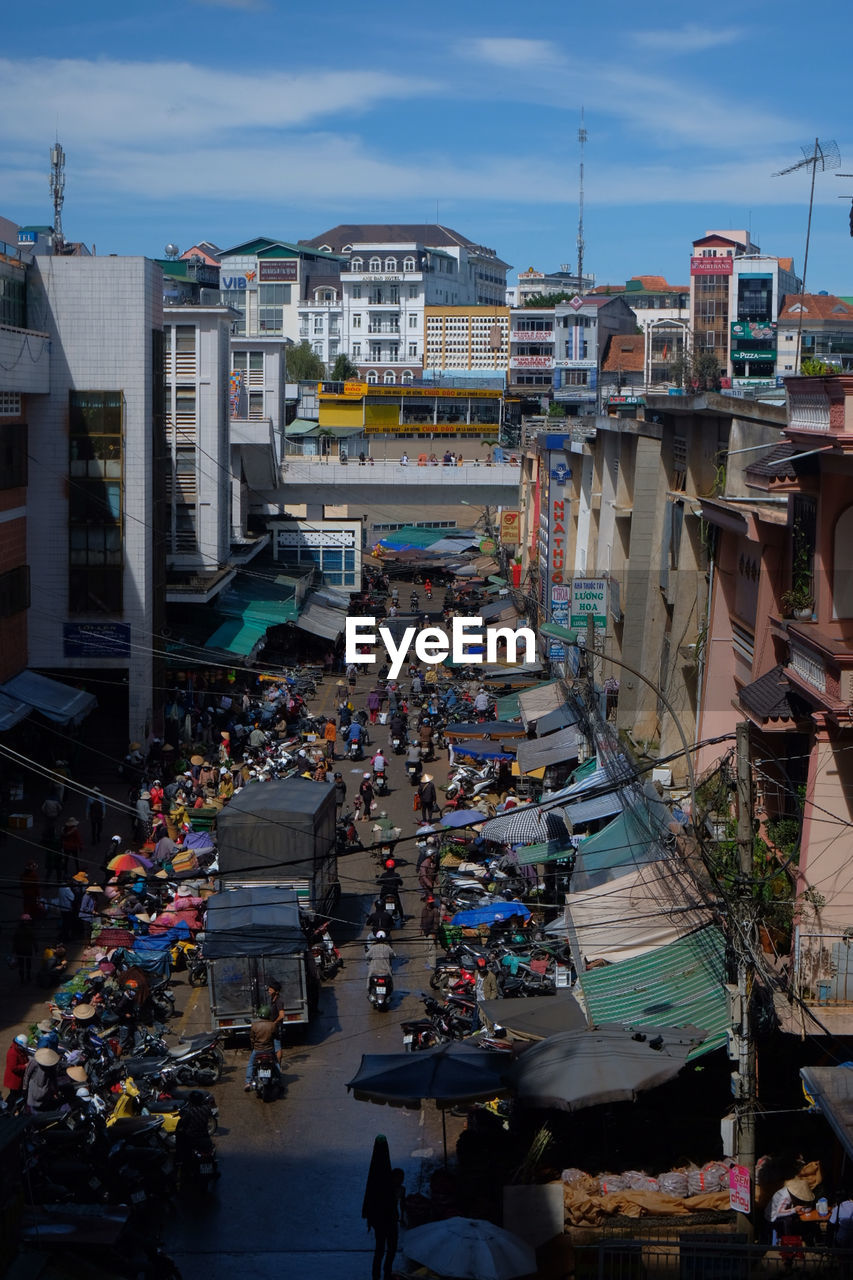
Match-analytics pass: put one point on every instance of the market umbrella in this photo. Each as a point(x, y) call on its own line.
point(448, 1074)
point(128, 862)
point(470, 1249)
point(530, 825)
point(490, 912)
point(463, 818)
point(608, 1063)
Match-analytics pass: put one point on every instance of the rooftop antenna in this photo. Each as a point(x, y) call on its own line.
point(822, 156)
point(582, 138)
point(57, 190)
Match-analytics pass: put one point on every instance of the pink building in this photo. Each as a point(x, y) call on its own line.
point(779, 653)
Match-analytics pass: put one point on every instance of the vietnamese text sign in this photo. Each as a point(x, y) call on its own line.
point(589, 596)
point(278, 269)
point(96, 639)
point(560, 597)
point(509, 528)
point(739, 1189)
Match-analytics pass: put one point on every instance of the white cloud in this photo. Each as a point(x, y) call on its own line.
point(176, 103)
point(515, 52)
point(691, 38)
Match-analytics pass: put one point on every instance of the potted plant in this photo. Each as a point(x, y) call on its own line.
point(799, 599)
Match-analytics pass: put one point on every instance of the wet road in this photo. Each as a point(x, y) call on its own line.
point(293, 1171)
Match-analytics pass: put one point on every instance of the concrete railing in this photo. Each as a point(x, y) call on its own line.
point(324, 470)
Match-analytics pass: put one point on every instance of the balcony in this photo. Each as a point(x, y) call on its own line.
point(24, 359)
point(391, 329)
point(383, 305)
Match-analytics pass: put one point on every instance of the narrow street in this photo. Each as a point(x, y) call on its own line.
point(293, 1171)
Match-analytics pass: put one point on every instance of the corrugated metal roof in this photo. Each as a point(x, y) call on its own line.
point(555, 749)
point(633, 839)
point(591, 810)
point(681, 984)
point(832, 1090)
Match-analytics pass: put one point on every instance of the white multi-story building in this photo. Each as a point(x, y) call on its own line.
point(264, 280)
point(390, 274)
point(98, 461)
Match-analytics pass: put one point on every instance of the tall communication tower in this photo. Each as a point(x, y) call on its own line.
point(57, 190)
point(582, 137)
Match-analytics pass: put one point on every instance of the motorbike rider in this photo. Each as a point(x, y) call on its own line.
point(379, 764)
point(191, 1133)
point(379, 959)
point(426, 733)
point(262, 1036)
point(481, 702)
point(379, 920)
point(355, 733)
point(398, 726)
point(413, 759)
point(390, 883)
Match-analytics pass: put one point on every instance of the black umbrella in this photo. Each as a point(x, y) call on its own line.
point(448, 1074)
point(609, 1063)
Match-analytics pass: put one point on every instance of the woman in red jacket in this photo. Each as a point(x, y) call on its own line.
point(17, 1059)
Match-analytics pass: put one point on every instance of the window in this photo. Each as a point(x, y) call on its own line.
point(185, 337)
point(408, 264)
point(318, 324)
point(390, 264)
point(371, 376)
point(356, 351)
point(395, 293)
point(389, 379)
point(14, 591)
point(10, 404)
point(356, 291)
point(256, 405)
point(393, 353)
point(272, 298)
point(375, 351)
point(13, 455)
point(356, 265)
point(406, 375)
point(13, 300)
point(95, 575)
point(413, 322)
point(413, 349)
point(318, 349)
point(375, 264)
point(413, 290)
point(185, 406)
point(236, 298)
point(356, 322)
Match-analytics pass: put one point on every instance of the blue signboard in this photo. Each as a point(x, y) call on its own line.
point(96, 639)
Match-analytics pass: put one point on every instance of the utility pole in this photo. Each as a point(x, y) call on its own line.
point(744, 1078)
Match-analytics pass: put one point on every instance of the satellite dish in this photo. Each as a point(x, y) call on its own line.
point(172, 251)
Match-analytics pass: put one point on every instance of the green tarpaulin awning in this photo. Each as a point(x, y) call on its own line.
point(507, 708)
point(550, 851)
point(632, 839)
point(237, 636)
point(681, 984)
point(246, 610)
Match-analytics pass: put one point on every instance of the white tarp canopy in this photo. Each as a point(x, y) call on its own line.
point(643, 910)
point(58, 702)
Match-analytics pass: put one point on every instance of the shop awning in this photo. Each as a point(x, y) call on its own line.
point(629, 841)
point(300, 427)
point(237, 636)
point(592, 810)
point(506, 708)
point(539, 774)
point(536, 1017)
point(682, 984)
point(56, 701)
point(544, 699)
point(635, 914)
point(557, 748)
point(549, 851)
point(12, 712)
point(486, 729)
point(321, 620)
point(832, 1090)
point(246, 610)
point(499, 750)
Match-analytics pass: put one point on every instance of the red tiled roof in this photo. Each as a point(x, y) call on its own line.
point(787, 264)
point(624, 354)
point(609, 288)
point(815, 306)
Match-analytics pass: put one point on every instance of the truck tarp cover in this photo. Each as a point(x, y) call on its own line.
point(260, 921)
point(277, 830)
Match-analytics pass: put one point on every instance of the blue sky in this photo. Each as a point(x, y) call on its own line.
point(222, 119)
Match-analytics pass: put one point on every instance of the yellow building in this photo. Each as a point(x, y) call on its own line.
point(412, 412)
point(466, 339)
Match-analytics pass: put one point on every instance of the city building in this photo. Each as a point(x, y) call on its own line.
point(466, 342)
point(820, 325)
point(779, 653)
point(390, 274)
point(541, 284)
point(264, 281)
point(581, 330)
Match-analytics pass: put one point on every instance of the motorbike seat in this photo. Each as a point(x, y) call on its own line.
point(140, 1067)
point(135, 1126)
point(164, 1106)
point(201, 1041)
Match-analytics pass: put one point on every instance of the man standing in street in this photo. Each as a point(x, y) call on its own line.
point(429, 927)
point(330, 733)
point(427, 796)
point(96, 811)
point(340, 794)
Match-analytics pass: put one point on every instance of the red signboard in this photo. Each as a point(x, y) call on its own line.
point(739, 1189)
point(278, 269)
point(711, 266)
point(558, 539)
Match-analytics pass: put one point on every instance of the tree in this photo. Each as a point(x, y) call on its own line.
point(699, 371)
point(343, 370)
point(303, 364)
point(549, 299)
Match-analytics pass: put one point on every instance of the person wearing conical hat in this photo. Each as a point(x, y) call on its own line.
point(41, 1090)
